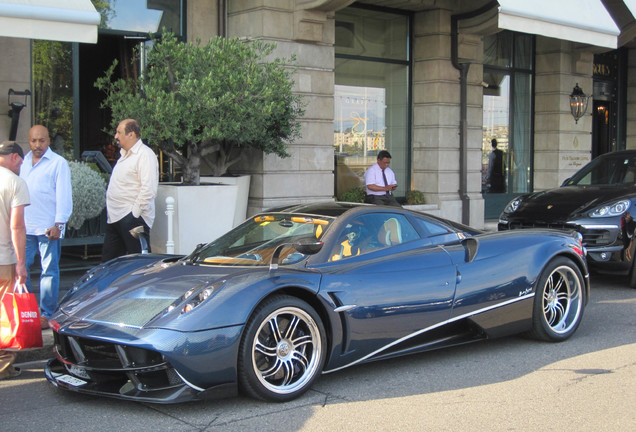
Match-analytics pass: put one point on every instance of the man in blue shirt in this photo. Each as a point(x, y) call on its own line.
point(49, 179)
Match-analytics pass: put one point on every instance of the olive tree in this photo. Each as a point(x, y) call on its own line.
point(209, 102)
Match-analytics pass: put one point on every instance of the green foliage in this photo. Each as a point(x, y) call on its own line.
point(52, 69)
point(355, 195)
point(89, 193)
point(210, 101)
point(415, 197)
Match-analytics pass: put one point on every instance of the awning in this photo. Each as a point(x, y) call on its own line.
point(60, 20)
point(583, 21)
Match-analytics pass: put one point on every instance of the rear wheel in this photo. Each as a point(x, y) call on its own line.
point(559, 301)
point(282, 351)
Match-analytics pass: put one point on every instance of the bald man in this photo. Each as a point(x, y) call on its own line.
point(48, 177)
point(130, 197)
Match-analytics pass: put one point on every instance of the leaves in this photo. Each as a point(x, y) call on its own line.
point(209, 100)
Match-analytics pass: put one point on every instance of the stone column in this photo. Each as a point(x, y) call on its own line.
point(561, 146)
point(309, 35)
point(16, 75)
point(436, 116)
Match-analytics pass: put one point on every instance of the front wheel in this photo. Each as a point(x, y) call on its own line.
point(559, 301)
point(282, 350)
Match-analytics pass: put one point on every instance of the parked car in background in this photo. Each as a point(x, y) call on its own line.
point(598, 202)
point(302, 290)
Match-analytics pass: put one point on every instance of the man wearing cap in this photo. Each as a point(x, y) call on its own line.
point(48, 177)
point(14, 197)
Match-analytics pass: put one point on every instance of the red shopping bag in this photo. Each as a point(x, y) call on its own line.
point(20, 320)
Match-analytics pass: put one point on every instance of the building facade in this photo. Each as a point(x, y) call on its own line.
point(431, 81)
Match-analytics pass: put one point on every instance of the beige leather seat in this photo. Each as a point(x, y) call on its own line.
point(391, 233)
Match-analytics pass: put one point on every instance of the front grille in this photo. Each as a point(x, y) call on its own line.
point(527, 224)
point(120, 365)
point(591, 237)
point(596, 237)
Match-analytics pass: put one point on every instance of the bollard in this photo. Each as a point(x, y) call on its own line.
point(169, 213)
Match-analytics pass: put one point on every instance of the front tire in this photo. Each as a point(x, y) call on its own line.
point(559, 301)
point(282, 351)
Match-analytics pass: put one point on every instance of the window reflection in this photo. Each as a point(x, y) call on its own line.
point(140, 16)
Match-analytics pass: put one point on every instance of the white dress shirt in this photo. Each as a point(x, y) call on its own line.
point(49, 182)
point(373, 175)
point(133, 185)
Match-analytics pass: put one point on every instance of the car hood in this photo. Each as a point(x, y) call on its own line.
point(564, 203)
point(134, 299)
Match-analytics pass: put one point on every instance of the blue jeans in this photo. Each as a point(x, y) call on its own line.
point(50, 251)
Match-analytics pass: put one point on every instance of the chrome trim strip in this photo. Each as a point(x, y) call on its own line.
point(344, 308)
point(189, 384)
point(590, 227)
point(419, 332)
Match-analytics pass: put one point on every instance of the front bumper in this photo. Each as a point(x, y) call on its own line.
point(608, 247)
point(151, 365)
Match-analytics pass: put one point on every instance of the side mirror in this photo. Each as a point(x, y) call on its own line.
point(308, 247)
point(304, 246)
point(139, 233)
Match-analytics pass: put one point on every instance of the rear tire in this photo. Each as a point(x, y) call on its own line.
point(559, 301)
point(282, 351)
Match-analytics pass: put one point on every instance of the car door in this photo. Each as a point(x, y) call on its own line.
point(387, 293)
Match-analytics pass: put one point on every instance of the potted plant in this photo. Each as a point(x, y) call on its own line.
point(86, 224)
point(208, 104)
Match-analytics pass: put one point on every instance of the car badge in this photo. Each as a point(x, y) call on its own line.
point(550, 206)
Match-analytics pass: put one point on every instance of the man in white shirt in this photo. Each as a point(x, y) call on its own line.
point(48, 177)
point(380, 182)
point(130, 198)
point(14, 197)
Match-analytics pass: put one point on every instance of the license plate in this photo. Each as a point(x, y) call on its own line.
point(78, 371)
point(70, 380)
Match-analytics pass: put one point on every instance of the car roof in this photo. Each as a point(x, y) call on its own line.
point(326, 208)
point(621, 153)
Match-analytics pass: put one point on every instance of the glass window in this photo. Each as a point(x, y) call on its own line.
point(498, 49)
point(140, 16)
point(371, 232)
point(507, 118)
point(370, 33)
point(254, 242)
point(371, 97)
point(430, 228)
point(52, 72)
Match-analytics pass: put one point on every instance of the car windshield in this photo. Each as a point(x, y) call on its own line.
point(611, 170)
point(254, 242)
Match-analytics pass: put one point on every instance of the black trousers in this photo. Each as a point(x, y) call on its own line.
point(386, 200)
point(118, 241)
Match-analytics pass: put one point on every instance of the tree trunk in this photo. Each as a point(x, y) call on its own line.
point(192, 170)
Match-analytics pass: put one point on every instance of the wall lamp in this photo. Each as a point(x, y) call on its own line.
point(578, 102)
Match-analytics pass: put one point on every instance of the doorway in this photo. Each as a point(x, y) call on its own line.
point(94, 60)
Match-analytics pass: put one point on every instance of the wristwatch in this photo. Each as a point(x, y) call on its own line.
point(60, 226)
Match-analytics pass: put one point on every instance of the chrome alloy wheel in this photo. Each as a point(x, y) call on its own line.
point(562, 299)
point(286, 351)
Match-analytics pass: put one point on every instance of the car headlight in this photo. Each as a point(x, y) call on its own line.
point(513, 205)
point(615, 209)
point(194, 297)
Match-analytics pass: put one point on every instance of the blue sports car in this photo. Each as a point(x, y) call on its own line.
point(302, 290)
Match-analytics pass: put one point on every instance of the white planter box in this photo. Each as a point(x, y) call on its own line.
point(201, 213)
